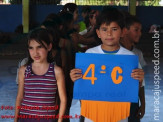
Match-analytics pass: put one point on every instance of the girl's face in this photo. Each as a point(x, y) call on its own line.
point(76, 14)
point(38, 52)
point(93, 20)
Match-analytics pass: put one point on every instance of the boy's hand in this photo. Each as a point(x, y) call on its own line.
point(75, 74)
point(141, 112)
point(138, 74)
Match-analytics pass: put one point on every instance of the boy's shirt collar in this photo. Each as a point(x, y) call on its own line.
point(110, 52)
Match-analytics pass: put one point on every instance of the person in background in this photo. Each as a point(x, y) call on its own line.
point(90, 23)
point(73, 9)
point(84, 13)
point(85, 16)
point(131, 36)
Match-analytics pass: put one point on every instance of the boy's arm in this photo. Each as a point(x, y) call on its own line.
point(141, 110)
point(75, 74)
point(138, 74)
point(62, 92)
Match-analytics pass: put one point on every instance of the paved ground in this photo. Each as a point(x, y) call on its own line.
point(8, 90)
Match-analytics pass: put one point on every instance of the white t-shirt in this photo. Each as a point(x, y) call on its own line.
point(122, 51)
point(98, 49)
point(21, 63)
point(140, 55)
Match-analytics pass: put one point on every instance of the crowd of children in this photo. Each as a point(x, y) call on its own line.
point(46, 76)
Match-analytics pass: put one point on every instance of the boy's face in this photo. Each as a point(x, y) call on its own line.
point(134, 33)
point(109, 35)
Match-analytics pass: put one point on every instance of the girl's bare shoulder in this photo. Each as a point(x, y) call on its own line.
point(22, 69)
point(58, 70)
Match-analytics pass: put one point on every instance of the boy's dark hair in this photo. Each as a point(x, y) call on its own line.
point(40, 35)
point(110, 15)
point(130, 20)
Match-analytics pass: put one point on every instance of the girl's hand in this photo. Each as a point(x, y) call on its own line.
point(75, 74)
point(138, 74)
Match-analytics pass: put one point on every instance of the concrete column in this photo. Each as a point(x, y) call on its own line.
point(132, 7)
point(25, 15)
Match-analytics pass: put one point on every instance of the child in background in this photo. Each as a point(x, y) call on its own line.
point(90, 22)
point(90, 29)
point(85, 14)
point(131, 36)
point(109, 29)
point(73, 9)
point(39, 80)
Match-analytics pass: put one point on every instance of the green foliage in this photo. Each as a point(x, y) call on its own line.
point(117, 2)
point(37, 2)
point(93, 2)
point(15, 1)
point(149, 3)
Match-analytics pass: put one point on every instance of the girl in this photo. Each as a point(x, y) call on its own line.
point(39, 81)
point(72, 8)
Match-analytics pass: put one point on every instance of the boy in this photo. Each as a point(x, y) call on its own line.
point(131, 36)
point(109, 29)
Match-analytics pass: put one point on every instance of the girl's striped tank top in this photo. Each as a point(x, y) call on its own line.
point(39, 93)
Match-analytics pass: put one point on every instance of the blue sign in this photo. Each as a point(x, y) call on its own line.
point(106, 78)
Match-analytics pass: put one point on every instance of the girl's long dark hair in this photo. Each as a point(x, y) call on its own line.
point(66, 19)
point(40, 35)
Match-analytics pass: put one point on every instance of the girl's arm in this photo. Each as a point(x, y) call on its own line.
point(62, 91)
point(20, 93)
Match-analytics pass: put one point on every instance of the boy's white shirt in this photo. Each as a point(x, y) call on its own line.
point(98, 49)
point(122, 51)
point(21, 63)
point(140, 55)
